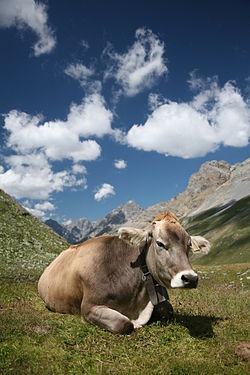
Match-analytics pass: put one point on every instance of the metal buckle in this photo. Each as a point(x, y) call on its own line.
point(145, 275)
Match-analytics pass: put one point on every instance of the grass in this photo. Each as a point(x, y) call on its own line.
point(209, 323)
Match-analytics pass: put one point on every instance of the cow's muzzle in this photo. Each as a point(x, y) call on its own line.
point(185, 279)
point(190, 280)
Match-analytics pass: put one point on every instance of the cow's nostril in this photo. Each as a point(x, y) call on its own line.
point(190, 280)
point(185, 278)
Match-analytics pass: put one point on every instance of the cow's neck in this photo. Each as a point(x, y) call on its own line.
point(156, 292)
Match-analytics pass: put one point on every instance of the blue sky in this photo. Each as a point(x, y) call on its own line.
point(103, 102)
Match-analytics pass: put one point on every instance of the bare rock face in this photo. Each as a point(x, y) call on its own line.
point(237, 186)
point(79, 229)
point(211, 175)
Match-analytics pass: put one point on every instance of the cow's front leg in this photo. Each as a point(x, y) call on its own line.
point(107, 318)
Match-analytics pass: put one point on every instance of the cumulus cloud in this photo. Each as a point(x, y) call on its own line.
point(216, 116)
point(120, 164)
point(105, 191)
point(29, 14)
point(1, 169)
point(140, 66)
point(61, 139)
point(37, 144)
point(31, 176)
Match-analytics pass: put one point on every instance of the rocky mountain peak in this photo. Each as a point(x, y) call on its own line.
point(211, 174)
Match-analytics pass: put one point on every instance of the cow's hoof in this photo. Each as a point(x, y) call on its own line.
point(127, 328)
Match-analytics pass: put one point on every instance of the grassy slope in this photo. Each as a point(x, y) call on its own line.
point(26, 244)
point(208, 325)
point(228, 231)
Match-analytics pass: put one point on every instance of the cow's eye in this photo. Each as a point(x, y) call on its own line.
point(160, 244)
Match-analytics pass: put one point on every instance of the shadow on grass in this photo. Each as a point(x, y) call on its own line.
point(199, 326)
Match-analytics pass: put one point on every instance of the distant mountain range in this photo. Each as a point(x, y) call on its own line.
point(216, 184)
point(216, 204)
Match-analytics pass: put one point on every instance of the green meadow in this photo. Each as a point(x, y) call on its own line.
point(208, 325)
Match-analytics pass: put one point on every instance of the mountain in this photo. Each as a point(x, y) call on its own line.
point(78, 229)
point(215, 204)
point(61, 230)
point(82, 229)
point(27, 245)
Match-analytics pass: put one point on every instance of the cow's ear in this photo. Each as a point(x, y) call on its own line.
point(135, 237)
point(200, 243)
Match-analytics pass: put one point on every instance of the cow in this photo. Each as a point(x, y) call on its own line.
point(114, 281)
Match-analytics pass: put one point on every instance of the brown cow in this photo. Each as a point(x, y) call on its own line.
point(102, 279)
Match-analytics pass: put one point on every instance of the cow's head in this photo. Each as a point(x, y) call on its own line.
point(168, 247)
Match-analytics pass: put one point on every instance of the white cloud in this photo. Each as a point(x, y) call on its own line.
point(216, 116)
point(105, 191)
point(78, 168)
point(79, 72)
point(31, 176)
point(61, 139)
point(84, 76)
point(36, 144)
point(155, 100)
point(45, 206)
point(31, 14)
point(120, 164)
point(140, 66)
point(40, 210)
point(1, 169)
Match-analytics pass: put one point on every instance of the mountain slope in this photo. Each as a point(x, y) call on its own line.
point(27, 245)
point(228, 230)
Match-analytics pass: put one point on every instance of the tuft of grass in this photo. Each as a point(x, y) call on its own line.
point(209, 323)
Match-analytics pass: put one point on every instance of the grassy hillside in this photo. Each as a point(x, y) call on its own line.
point(228, 230)
point(27, 245)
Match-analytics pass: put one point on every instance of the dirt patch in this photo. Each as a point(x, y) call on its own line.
point(243, 350)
